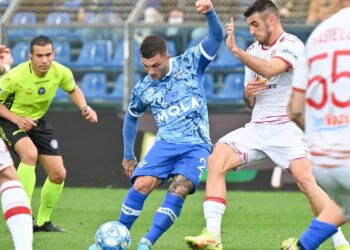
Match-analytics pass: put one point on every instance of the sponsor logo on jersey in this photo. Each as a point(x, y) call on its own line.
point(29, 91)
point(54, 144)
point(287, 51)
point(176, 110)
point(331, 122)
point(42, 81)
point(41, 91)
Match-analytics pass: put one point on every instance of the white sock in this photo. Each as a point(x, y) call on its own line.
point(339, 238)
point(18, 215)
point(213, 212)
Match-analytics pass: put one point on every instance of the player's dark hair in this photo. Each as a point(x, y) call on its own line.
point(40, 41)
point(260, 6)
point(153, 45)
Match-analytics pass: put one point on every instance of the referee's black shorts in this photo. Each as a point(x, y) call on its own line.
point(42, 136)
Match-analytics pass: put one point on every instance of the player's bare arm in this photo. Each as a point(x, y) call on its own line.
point(267, 69)
point(204, 6)
point(296, 108)
point(87, 112)
point(129, 166)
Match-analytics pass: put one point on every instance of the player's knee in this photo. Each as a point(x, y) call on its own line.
point(216, 165)
point(180, 190)
point(58, 176)
point(29, 156)
point(145, 184)
point(305, 181)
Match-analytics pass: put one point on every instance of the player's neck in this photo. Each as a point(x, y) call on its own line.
point(275, 37)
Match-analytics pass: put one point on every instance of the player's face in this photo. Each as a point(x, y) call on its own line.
point(259, 27)
point(41, 58)
point(157, 67)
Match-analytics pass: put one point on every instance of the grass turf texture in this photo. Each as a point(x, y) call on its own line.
point(253, 220)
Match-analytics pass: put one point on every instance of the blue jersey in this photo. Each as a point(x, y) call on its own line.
point(177, 100)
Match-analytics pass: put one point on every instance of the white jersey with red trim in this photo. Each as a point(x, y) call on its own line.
point(271, 104)
point(324, 76)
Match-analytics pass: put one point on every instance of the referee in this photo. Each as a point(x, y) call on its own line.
point(26, 93)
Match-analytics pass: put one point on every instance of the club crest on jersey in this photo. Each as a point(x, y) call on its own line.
point(54, 144)
point(41, 91)
point(175, 110)
point(171, 96)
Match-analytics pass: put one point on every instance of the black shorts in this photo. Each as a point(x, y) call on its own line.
point(42, 136)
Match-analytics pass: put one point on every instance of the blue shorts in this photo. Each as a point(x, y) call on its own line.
point(164, 160)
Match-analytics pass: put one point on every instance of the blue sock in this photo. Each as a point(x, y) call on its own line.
point(165, 216)
point(132, 207)
point(316, 234)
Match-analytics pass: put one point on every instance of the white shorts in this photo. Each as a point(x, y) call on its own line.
point(5, 157)
point(336, 182)
point(282, 143)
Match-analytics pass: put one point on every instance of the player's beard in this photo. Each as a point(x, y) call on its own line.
point(268, 34)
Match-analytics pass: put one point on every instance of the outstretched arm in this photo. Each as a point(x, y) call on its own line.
point(212, 42)
point(78, 98)
point(265, 68)
point(129, 135)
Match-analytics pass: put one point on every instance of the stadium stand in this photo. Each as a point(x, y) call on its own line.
point(94, 86)
point(118, 89)
point(233, 88)
point(59, 20)
point(20, 52)
point(94, 54)
point(63, 52)
point(20, 18)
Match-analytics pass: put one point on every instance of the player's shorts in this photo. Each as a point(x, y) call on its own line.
point(336, 182)
point(282, 143)
point(5, 157)
point(42, 136)
point(164, 160)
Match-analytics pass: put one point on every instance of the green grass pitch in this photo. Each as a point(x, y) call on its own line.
point(253, 220)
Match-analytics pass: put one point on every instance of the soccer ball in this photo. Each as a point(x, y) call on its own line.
point(113, 235)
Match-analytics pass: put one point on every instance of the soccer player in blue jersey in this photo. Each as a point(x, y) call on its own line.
point(173, 90)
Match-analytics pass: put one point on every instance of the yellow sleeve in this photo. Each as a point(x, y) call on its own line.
point(67, 81)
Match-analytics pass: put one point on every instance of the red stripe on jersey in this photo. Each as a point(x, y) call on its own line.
point(16, 211)
point(216, 199)
point(286, 61)
point(8, 188)
point(298, 89)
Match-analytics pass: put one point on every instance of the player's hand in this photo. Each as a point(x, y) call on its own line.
point(254, 87)
point(26, 123)
point(231, 39)
point(89, 114)
point(129, 166)
point(204, 6)
point(6, 58)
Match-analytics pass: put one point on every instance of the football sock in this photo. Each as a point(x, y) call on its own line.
point(18, 215)
point(165, 216)
point(26, 174)
point(339, 239)
point(132, 207)
point(50, 194)
point(214, 209)
point(316, 234)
